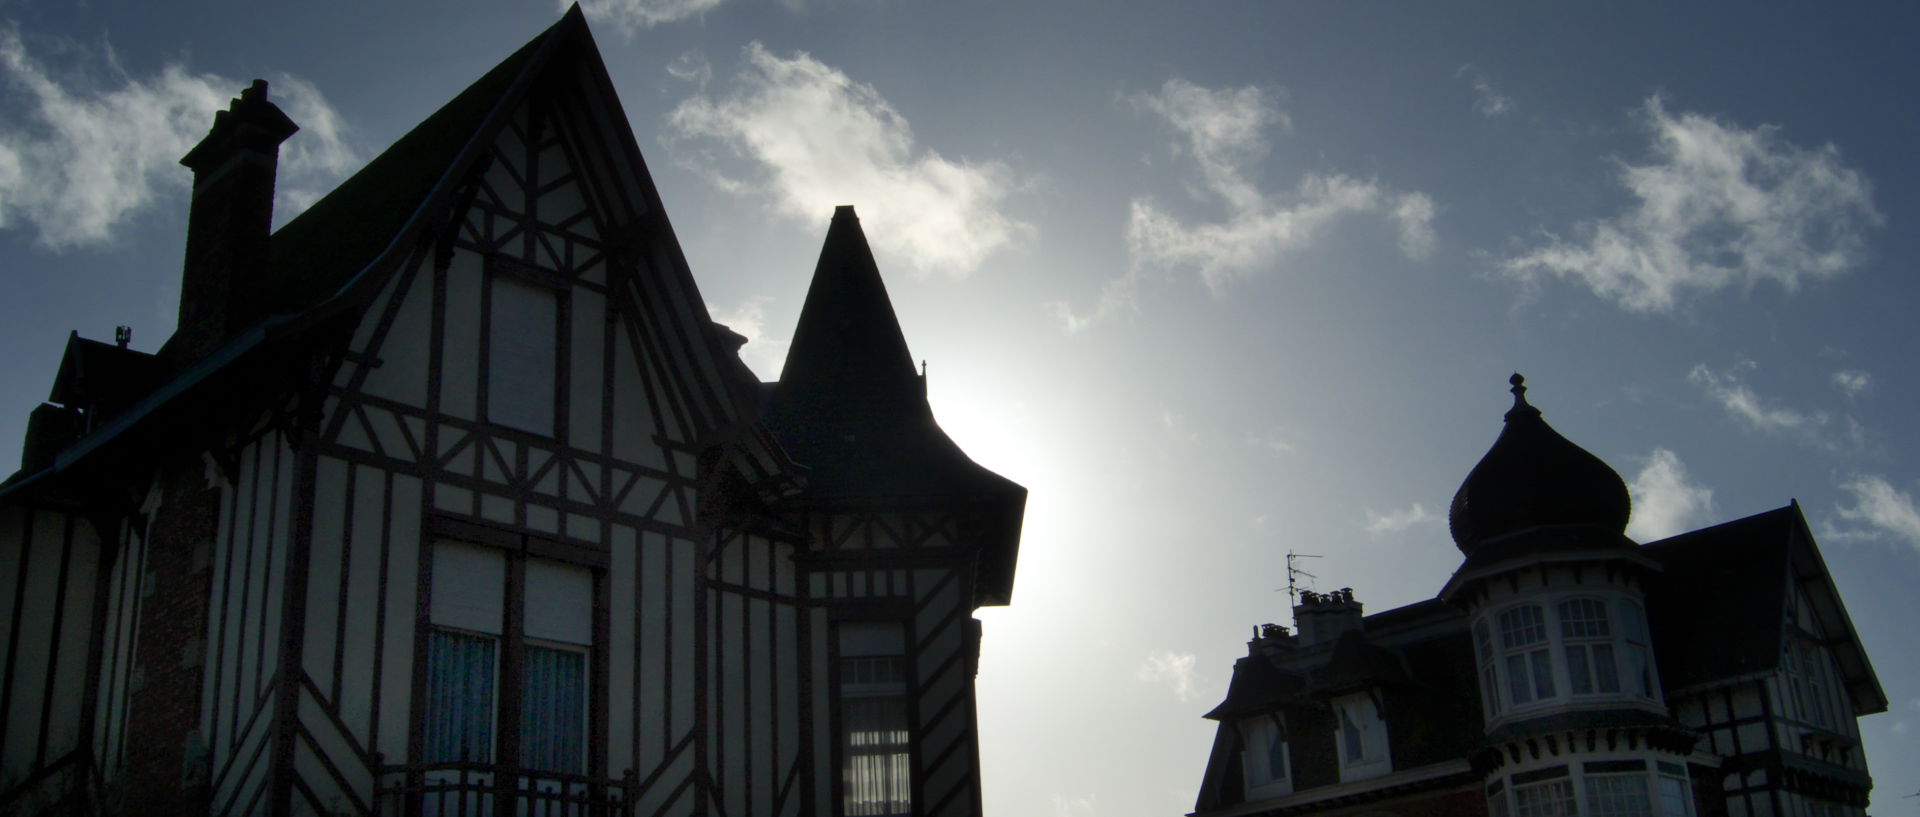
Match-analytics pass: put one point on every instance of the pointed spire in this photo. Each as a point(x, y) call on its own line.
point(848, 335)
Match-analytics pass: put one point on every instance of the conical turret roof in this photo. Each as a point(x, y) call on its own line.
point(1534, 477)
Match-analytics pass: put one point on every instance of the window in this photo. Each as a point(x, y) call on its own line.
point(1489, 683)
point(876, 746)
point(1589, 647)
point(1361, 736)
point(1674, 795)
point(1265, 756)
point(1639, 652)
point(1544, 793)
point(1529, 664)
point(1616, 788)
point(523, 352)
point(1497, 799)
point(475, 685)
point(1807, 684)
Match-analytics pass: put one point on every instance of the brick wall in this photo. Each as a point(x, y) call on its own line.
point(164, 709)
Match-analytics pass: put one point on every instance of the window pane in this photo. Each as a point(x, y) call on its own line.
point(1542, 674)
point(1622, 795)
point(1604, 669)
point(1277, 756)
point(878, 776)
point(458, 723)
point(1583, 618)
point(1578, 678)
point(1522, 626)
point(523, 354)
point(1673, 797)
point(553, 710)
point(1518, 687)
point(1550, 799)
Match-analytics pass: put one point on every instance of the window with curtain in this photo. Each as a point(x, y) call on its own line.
point(1546, 793)
point(1360, 734)
point(467, 658)
point(876, 742)
point(1674, 799)
point(1264, 756)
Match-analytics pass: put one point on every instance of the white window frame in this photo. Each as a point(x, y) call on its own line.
point(1260, 735)
point(1526, 654)
point(1358, 719)
point(1589, 646)
point(1520, 658)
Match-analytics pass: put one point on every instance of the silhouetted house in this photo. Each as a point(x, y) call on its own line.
point(448, 497)
point(1563, 669)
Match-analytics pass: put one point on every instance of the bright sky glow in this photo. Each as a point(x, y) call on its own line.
point(1214, 281)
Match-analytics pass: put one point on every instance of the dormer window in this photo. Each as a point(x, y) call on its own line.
point(1266, 758)
point(1360, 733)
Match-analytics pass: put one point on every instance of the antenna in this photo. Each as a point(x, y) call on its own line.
point(1294, 573)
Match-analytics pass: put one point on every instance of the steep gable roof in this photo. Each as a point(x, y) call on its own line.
point(1720, 609)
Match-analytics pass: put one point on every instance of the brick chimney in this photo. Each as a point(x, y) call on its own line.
point(223, 287)
point(1322, 617)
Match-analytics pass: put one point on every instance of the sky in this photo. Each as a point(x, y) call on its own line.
point(1215, 281)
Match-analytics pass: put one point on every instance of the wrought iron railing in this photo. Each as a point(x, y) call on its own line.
point(491, 790)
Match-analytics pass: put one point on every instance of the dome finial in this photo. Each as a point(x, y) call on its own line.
point(1520, 404)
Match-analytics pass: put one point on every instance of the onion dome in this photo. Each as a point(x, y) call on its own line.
point(1533, 477)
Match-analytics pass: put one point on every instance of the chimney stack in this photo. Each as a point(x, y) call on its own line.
point(223, 287)
point(1322, 617)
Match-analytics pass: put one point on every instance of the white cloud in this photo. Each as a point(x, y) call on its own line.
point(1852, 381)
point(765, 355)
point(1400, 519)
point(1879, 511)
point(1665, 501)
point(1819, 429)
point(79, 156)
point(1486, 99)
point(1175, 669)
point(1719, 206)
point(1224, 132)
point(814, 139)
point(633, 15)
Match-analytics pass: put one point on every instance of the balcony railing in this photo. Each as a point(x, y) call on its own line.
point(491, 790)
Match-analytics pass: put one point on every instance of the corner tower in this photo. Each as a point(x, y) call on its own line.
point(1556, 597)
point(905, 537)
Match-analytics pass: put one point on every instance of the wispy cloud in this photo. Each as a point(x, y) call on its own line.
point(1665, 500)
point(634, 15)
point(1486, 99)
point(1271, 442)
point(1224, 133)
point(1852, 382)
point(1719, 206)
point(1820, 429)
point(764, 354)
point(88, 146)
point(1400, 520)
point(1175, 669)
point(1878, 512)
point(812, 138)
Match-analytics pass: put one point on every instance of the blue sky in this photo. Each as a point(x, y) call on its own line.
point(1214, 280)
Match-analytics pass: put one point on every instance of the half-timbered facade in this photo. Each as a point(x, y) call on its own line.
point(1562, 670)
point(448, 497)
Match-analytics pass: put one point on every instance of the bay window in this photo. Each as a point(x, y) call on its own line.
point(1544, 793)
point(1616, 788)
point(1577, 648)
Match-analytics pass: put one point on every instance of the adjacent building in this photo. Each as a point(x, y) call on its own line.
point(448, 497)
point(1562, 670)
